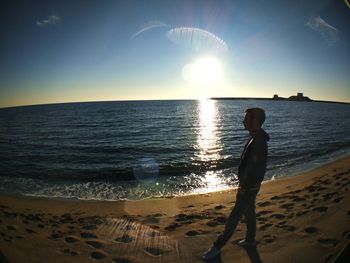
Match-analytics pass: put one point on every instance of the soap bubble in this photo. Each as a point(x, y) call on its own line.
point(146, 170)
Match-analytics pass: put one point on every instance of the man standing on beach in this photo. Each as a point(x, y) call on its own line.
point(251, 173)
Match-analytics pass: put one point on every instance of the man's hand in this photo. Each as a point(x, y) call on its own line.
point(241, 190)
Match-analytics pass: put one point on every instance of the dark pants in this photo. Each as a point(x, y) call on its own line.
point(245, 205)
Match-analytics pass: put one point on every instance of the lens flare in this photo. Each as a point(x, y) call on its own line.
point(196, 39)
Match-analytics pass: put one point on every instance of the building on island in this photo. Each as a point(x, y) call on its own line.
point(299, 97)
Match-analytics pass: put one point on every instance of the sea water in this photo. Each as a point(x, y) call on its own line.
point(90, 150)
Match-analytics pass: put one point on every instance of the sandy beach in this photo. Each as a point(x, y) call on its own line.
point(304, 218)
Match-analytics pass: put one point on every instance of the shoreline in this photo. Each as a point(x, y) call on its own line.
point(307, 171)
point(301, 218)
point(291, 172)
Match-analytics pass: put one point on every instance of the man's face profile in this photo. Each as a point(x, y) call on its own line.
point(247, 121)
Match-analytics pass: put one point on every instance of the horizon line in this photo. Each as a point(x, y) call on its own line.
point(178, 99)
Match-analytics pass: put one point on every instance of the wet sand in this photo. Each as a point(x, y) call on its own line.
point(304, 218)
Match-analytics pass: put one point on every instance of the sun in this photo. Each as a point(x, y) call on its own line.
point(206, 71)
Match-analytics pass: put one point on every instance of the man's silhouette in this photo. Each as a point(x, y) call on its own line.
point(251, 173)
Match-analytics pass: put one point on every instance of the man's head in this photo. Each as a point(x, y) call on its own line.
point(253, 119)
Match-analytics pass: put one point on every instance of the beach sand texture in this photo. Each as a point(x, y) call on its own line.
point(304, 218)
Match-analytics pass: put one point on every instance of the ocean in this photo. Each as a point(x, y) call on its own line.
point(94, 150)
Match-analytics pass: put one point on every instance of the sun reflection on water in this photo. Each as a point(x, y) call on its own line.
point(208, 143)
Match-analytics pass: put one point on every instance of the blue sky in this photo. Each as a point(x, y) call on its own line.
point(64, 51)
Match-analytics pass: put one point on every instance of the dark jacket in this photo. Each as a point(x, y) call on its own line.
point(252, 167)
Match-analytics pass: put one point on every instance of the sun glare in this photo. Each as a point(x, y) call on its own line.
point(206, 71)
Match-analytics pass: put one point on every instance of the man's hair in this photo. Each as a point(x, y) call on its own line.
point(257, 113)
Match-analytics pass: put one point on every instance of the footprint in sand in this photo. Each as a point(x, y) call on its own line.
point(157, 215)
point(278, 216)
point(151, 220)
point(337, 200)
point(220, 220)
point(94, 244)
point(281, 223)
point(300, 213)
point(287, 206)
point(189, 218)
point(328, 196)
point(88, 235)
point(314, 201)
point(291, 215)
point(263, 204)
point(153, 252)
point(310, 229)
point(276, 198)
point(122, 260)
point(212, 223)
point(11, 228)
point(55, 236)
point(289, 228)
point(71, 239)
point(262, 219)
point(69, 251)
point(172, 226)
point(269, 239)
point(30, 231)
point(89, 227)
point(124, 239)
point(98, 255)
point(320, 209)
point(66, 218)
point(328, 241)
point(298, 199)
point(192, 233)
point(264, 212)
point(265, 227)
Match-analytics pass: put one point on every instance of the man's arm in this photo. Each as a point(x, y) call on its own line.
point(256, 165)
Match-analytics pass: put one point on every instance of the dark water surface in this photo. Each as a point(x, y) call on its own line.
point(89, 150)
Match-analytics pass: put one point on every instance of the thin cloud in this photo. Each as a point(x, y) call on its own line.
point(52, 20)
point(329, 33)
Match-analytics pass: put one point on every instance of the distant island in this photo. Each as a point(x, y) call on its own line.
point(299, 97)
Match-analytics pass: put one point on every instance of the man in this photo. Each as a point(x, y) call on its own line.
point(251, 173)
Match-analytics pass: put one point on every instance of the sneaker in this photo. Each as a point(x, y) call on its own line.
point(211, 254)
point(245, 243)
